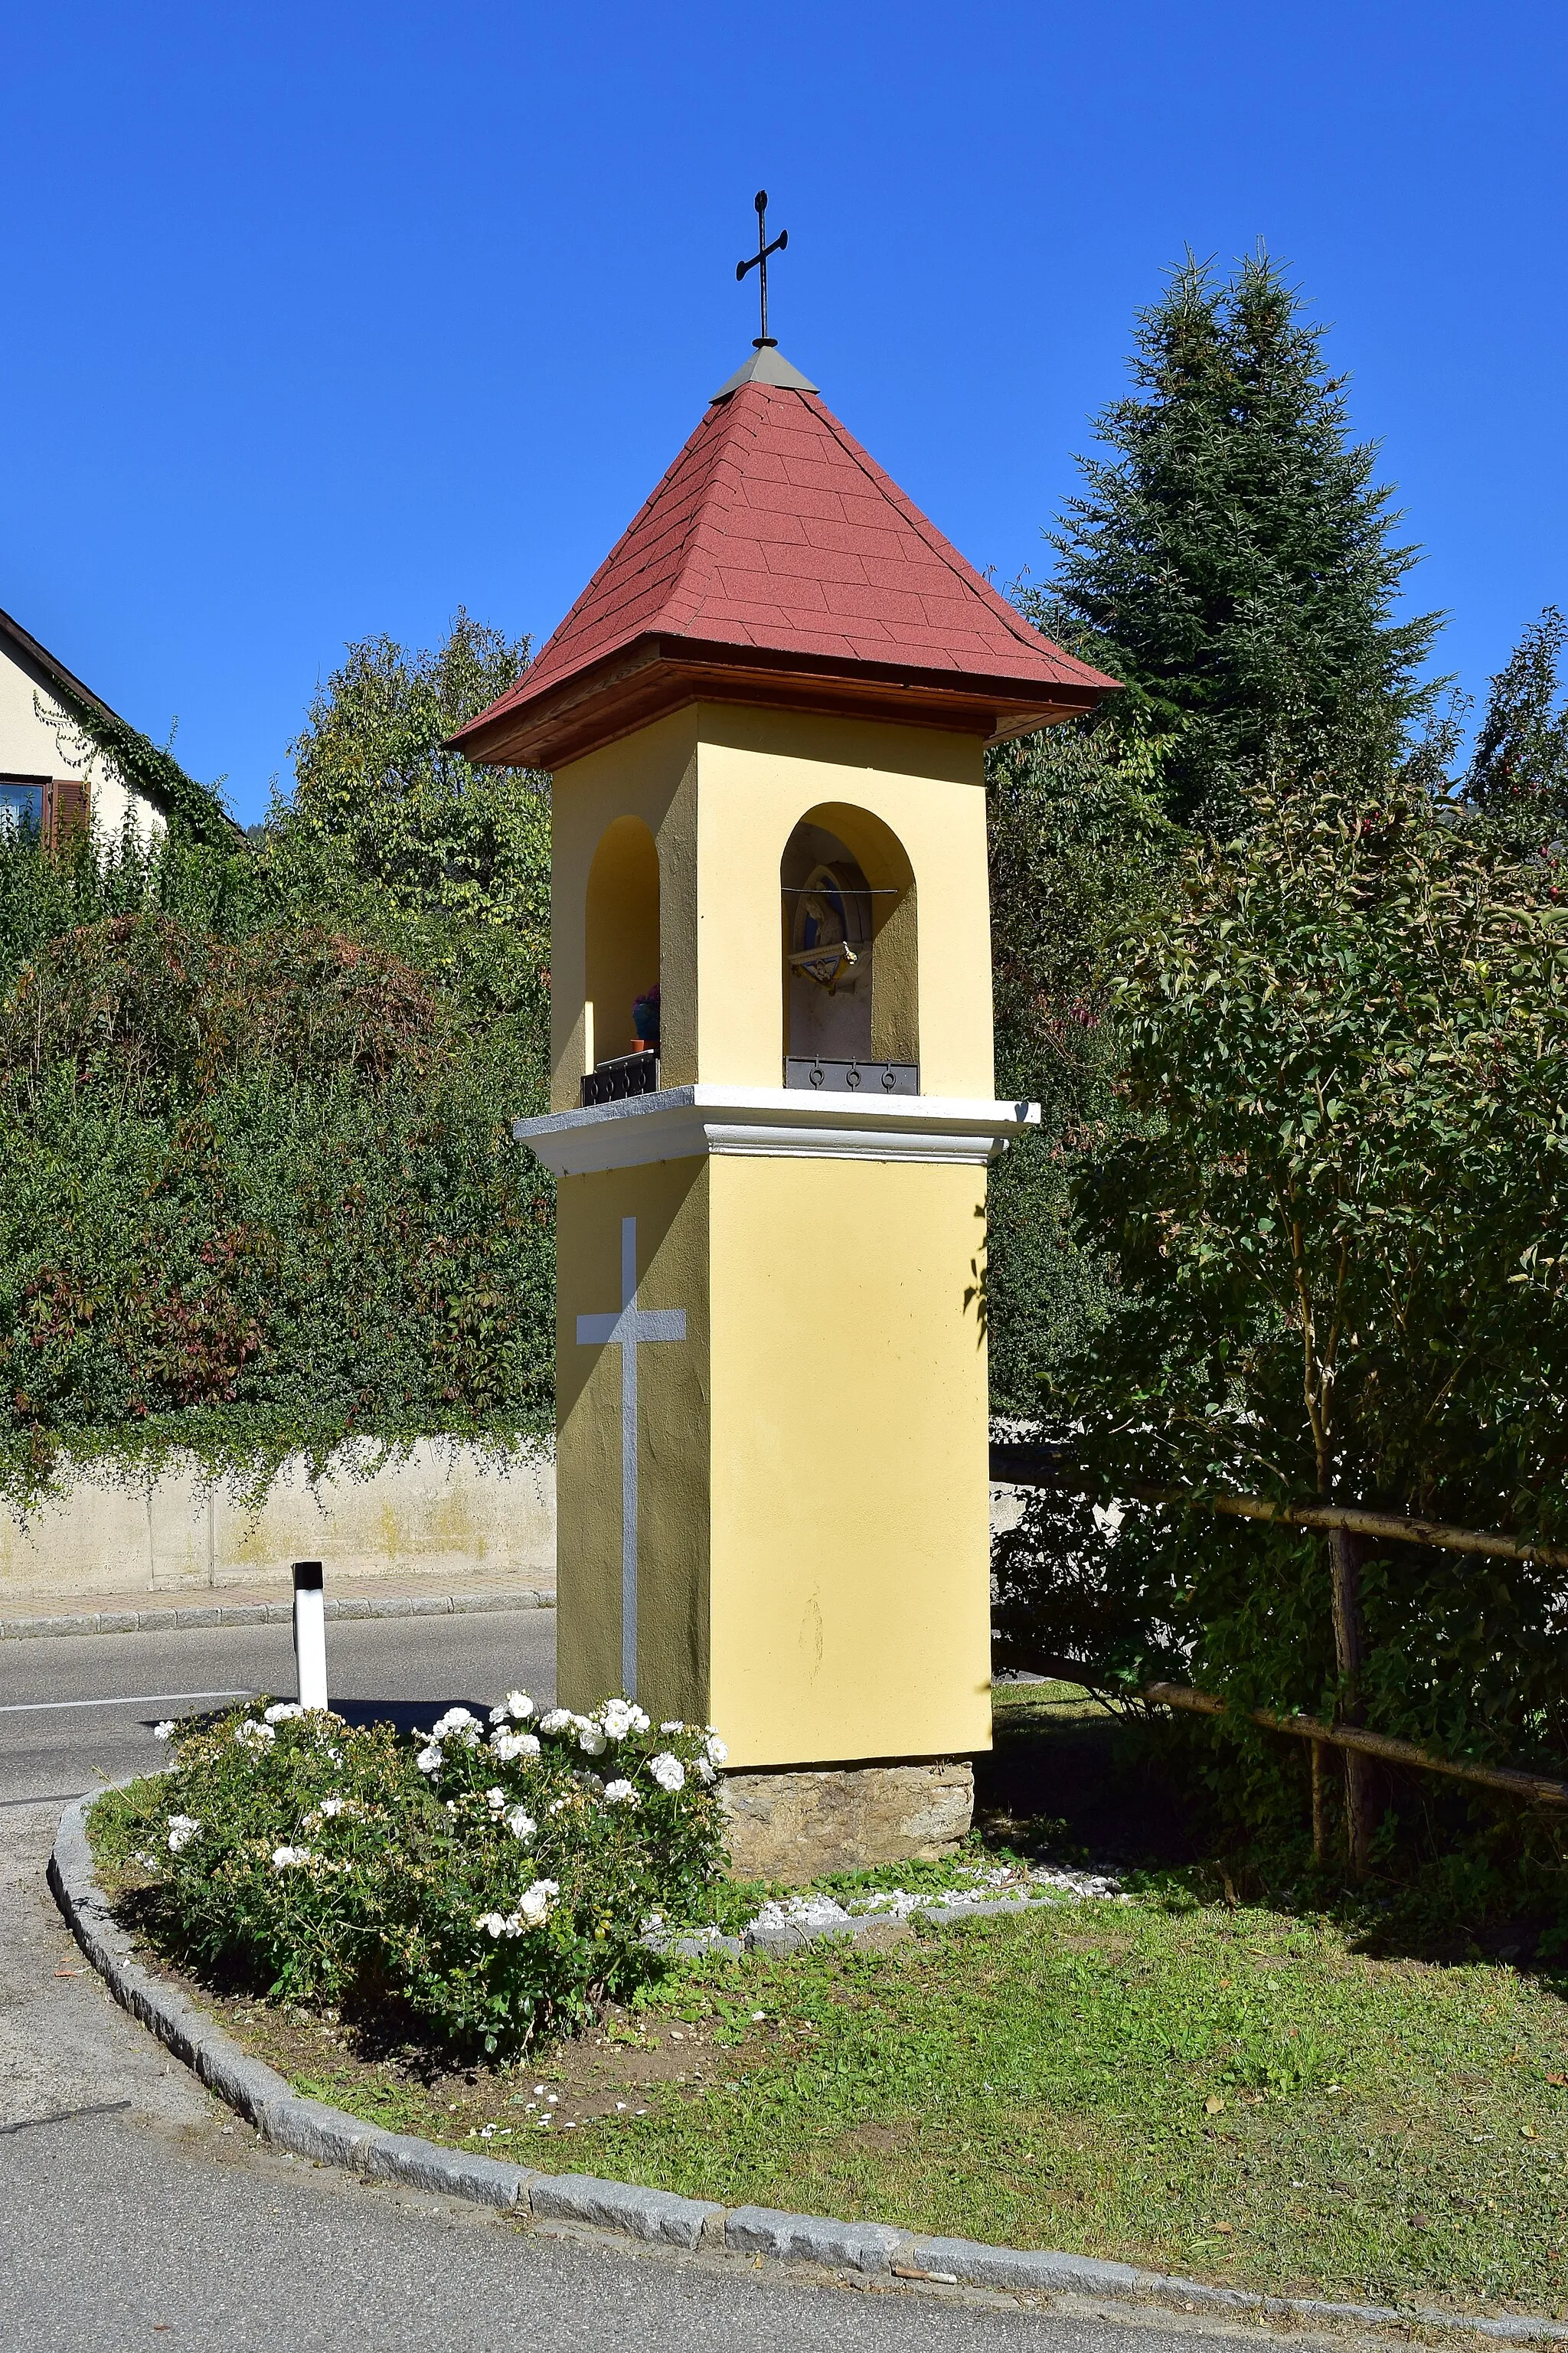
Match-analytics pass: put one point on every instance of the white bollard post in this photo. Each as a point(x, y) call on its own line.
point(310, 1633)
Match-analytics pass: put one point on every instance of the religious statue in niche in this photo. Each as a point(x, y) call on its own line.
point(828, 948)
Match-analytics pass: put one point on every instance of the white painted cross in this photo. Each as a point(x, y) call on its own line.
point(627, 1331)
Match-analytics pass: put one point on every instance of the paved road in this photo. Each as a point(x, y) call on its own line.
point(135, 2213)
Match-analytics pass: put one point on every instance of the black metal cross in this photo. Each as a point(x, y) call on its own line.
point(759, 262)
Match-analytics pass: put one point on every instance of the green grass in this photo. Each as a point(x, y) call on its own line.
point(1054, 2083)
point(1236, 2095)
point(1250, 2096)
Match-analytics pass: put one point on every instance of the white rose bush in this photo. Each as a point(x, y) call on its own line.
point(486, 1880)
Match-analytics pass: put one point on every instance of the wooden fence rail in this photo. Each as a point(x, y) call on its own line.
point(1044, 1466)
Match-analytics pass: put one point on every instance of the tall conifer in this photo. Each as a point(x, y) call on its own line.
point(1233, 561)
point(1519, 774)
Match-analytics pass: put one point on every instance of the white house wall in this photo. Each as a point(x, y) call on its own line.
point(39, 738)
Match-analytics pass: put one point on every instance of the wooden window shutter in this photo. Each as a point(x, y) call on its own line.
point(68, 809)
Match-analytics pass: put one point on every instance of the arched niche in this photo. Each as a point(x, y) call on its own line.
point(843, 873)
point(621, 937)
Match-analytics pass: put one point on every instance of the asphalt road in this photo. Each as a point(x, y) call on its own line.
point(135, 2212)
point(75, 1710)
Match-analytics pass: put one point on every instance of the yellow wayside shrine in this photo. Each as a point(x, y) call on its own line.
point(772, 1103)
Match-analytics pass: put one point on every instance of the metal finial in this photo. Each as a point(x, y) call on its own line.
point(759, 262)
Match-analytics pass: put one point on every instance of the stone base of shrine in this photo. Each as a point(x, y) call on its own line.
point(797, 1823)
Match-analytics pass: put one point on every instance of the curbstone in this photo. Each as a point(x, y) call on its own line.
point(272, 1613)
point(814, 2238)
point(991, 1907)
point(693, 1948)
point(657, 2215)
point(484, 2181)
point(976, 2265)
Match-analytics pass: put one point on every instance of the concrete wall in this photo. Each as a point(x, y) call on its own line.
point(447, 1512)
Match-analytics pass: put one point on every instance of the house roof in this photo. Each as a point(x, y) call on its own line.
point(12, 633)
point(776, 562)
point(197, 803)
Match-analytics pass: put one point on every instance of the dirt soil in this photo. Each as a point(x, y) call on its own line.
point(605, 2073)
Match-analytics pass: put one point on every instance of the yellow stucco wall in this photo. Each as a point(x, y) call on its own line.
point(669, 1201)
point(814, 1558)
point(851, 1593)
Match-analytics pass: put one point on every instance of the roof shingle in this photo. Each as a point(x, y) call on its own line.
point(774, 532)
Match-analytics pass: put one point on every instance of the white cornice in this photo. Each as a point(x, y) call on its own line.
point(771, 1124)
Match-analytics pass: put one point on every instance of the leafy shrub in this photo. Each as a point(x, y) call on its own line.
point(486, 1881)
point(260, 1198)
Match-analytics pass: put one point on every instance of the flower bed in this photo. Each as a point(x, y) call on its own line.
point(485, 1881)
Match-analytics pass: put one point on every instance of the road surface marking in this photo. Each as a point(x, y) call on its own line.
point(137, 1699)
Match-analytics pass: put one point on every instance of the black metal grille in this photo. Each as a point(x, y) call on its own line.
point(852, 1078)
point(629, 1074)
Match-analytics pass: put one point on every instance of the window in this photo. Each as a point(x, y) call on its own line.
point(22, 803)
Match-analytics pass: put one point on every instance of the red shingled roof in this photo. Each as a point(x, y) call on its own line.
point(775, 544)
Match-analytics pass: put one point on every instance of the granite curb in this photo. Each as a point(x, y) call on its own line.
point(271, 1613)
point(656, 2217)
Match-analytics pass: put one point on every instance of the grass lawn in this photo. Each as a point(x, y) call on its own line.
point(1236, 2093)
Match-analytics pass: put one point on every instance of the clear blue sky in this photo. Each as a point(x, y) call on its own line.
point(323, 320)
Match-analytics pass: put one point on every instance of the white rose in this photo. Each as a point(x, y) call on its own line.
point(252, 1734)
point(717, 1749)
point(182, 1828)
point(284, 1858)
point(558, 1720)
point(164, 1731)
point(429, 1759)
point(521, 1825)
point(667, 1771)
point(331, 1806)
point(283, 1710)
point(534, 1903)
point(590, 1739)
point(459, 1725)
point(511, 1746)
point(621, 1793)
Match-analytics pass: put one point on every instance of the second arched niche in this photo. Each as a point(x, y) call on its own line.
point(851, 973)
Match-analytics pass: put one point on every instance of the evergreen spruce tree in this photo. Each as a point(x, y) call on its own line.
point(1233, 561)
point(1518, 773)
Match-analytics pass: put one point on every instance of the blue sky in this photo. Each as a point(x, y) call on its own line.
point(323, 320)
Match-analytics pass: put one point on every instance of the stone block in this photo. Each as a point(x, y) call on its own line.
point(814, 2239)
point(1040, 2271)
point(657, 2215)
point(797, 1823)
point(398, 2156)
